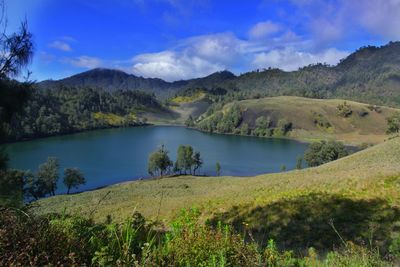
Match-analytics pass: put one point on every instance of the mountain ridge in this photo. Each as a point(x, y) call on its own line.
point(370, 74)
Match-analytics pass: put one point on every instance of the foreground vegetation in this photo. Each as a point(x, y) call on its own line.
point(60, 239)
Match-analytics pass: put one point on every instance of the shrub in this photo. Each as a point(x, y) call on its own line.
point(393, 123)
point(262, 126)
point(321, 121)
point(283, 127)
point(353, 255)
point(322, 152)
point(344, 110)
point(191, 243)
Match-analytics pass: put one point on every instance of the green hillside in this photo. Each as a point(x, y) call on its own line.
point(311, 119)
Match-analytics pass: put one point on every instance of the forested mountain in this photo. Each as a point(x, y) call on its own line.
point(111, 80)
point(370, 74)
point(69, 109)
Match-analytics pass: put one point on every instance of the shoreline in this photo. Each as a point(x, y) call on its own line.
point(166, 124)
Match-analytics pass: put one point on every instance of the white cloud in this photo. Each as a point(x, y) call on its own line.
point(172, 66)
point(290, 59)
point(378, 16)
point(223, 47)
point(264, 29)
point(202, 55)
point(59, 45)
point(193, 57)
point(84, 62)
point(330, 21)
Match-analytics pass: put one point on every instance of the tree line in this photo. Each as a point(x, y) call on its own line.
point(188, 161)
point(19, 185)
point(69, 109)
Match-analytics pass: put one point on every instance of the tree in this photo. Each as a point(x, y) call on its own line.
point(35, 187)
point(244, 130)
point(73, 177)
point(11, 188)
point(262, 126)
point(299, 163)
point(190, 122)
point(184, 160)
point(283, 127)
point(393, 123)
point(344, 110)
point(197, 162)
point(322, 152)
point(218, 168)
point(17, 51)
point(159, 162)
point(48, 173)
point(283, 167)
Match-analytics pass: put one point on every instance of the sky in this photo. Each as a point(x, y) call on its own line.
point(183, 39)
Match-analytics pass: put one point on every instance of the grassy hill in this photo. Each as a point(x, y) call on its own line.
point(370, 175)
point(314, 119)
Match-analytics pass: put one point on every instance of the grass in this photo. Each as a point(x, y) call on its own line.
point(362, 126)
point(372, 174)
point(114, 119)
point(188, 99)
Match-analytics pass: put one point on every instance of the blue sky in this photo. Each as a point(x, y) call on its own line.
point(181, 39)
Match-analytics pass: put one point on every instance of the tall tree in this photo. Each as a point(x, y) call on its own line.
point(35, 187)
point(218, 168)
point(73, 177)
point(159, 162)
point(16, 50)
point(48, 173)
point(299, 162)
point(184, 159)
point(197, 162)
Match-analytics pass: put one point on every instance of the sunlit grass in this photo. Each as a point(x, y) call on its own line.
point(371, 173)
point(187, 99)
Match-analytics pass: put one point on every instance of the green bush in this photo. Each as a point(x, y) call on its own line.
point(322, 152)
point(55, 240)
point(190, 243)
point(344, 110)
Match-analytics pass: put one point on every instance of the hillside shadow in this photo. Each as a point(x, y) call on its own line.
point(306, 221)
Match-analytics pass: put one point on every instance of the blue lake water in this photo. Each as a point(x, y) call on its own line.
point(116, 155)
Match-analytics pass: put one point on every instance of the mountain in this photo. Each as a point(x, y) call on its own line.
point(112, 80)
point(370, 74)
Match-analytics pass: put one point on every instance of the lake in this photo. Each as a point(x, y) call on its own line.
point(116, 155)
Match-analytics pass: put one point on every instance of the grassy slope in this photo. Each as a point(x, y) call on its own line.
point(354, 129)
point(369, 174)
point(185, 106)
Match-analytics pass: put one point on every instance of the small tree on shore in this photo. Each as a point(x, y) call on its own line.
point(197, 162)
point(218, 168)
point(48, 174)
point(322, 152)
point(73, 178)
point(299, 163)
point(283, 168)
point(159, 162)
